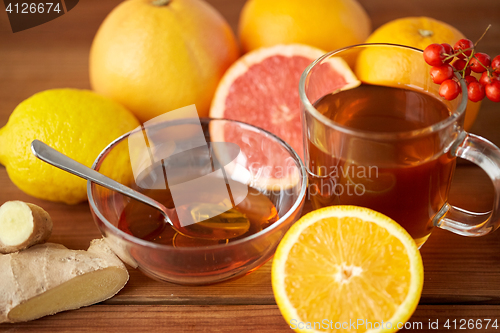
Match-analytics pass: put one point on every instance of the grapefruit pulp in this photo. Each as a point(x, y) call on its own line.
point(261, 89)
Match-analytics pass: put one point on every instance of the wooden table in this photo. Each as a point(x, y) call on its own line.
point(462, 275)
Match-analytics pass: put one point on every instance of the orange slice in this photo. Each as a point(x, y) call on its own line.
point(347, 269)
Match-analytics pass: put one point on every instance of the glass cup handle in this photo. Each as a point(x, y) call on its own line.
point(487, 156)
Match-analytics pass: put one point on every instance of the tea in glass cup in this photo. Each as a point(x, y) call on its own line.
point(390, 142)
point(139, 234)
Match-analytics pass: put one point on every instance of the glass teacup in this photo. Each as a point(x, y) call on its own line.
point(390, 141)
point(169, 256)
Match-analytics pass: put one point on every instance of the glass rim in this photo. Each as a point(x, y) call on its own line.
point(460, 110)
point(135, 240)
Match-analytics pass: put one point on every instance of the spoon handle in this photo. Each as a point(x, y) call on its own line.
point(61, 161)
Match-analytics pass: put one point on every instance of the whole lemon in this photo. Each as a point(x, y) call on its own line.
point(154, 56)
point(78, 123)
point(417, 32)
point(325, 24)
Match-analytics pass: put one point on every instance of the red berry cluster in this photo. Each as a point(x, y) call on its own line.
point(465, 59)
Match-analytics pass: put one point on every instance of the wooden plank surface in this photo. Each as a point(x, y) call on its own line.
point(451, 261)
point(462, 275)
point(233, 318)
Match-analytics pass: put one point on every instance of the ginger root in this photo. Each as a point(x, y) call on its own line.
point(22, 225)
point(49, 278)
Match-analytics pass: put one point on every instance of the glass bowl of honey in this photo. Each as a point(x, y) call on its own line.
point(243, 184)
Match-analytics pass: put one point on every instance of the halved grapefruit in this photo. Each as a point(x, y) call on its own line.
point(261, 89)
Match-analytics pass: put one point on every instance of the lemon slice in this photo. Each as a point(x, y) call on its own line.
point(347, 269)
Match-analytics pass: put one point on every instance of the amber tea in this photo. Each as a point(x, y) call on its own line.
point(408, 181)
point(255, 213)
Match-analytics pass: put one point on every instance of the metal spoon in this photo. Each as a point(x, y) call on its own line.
point(209, 229)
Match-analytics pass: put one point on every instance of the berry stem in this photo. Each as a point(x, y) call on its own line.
point(467, 63)
point(463, 52)
point(449, 56)
point(484, 33)
point(469, 58)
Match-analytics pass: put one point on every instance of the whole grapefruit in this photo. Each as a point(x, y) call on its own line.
point(417, 32)
point(154, 56)
point(325, 24)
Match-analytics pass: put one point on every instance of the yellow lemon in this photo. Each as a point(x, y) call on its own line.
point(417, 32)
point(78, 123)
point(343, 264)
point(325, 24)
